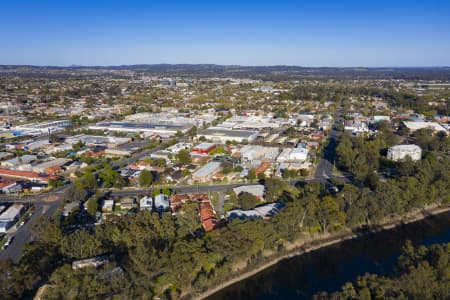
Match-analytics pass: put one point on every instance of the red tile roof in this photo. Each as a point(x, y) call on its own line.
point(22, 174)
point(206, 214)
point(264, 165)
point(6, 183)
point(205, 205)
point(210, 224)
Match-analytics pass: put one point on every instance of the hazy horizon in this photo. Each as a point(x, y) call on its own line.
point(222, 65)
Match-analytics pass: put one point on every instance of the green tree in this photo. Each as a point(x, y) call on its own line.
point(87, 181)
point(184, 157)
point(145, 178)
point(188, 220)
point(407, 167)
point(192, 133)
point(76, 193)
point(92, 206)
point(111, 178)
point(54, 183)
point(247, 200)
point(328, 213)
point(251, 174)
point(179, 134)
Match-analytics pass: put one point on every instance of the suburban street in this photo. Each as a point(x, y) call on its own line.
point(325, 166)
point(23, 233)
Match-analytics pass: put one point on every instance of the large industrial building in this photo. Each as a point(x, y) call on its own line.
point(251, 153)
point(97, 140)
point(167, 118)
point(41, 128)
point(416, 125)
point(252, 123)
point(400, 152)
point(222, 135)
point(148, 128)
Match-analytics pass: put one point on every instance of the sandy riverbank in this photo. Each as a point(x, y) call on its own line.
point(304, 246)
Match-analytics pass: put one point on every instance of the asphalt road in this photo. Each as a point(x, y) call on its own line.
point(23, 233)
point(325, 166)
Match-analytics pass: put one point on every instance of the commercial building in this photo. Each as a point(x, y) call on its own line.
point(413, 126)
point(175, 149)
point(204, 148)
point(44, 167)
point(147, 128)
point(9, 186)
point(31, 176)
point(251, 153)
point(44, 127)
point(298, 154)
point(169, 118)
point(256, 190)
point(24, 159)
point(206, 172)
point(97, 140)
point(221, 135)
point(252, 122)
point(123, 150)
point(400, 152)
point(58, 148)
point(33, 145)
point(10, 216)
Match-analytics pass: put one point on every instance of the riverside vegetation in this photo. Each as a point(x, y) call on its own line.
point(167, 256)
point(421, 273)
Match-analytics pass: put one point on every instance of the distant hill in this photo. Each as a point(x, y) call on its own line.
point(257, 72)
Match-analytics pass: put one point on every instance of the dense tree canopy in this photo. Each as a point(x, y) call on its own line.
point(422, 273)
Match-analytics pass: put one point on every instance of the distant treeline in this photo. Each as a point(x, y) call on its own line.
point(275, 73)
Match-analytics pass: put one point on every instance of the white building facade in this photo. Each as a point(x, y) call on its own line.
point(400, 152)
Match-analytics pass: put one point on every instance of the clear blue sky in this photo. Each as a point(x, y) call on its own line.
point(305, 33)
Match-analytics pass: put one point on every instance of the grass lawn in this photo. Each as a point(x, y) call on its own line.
point(3, 241)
